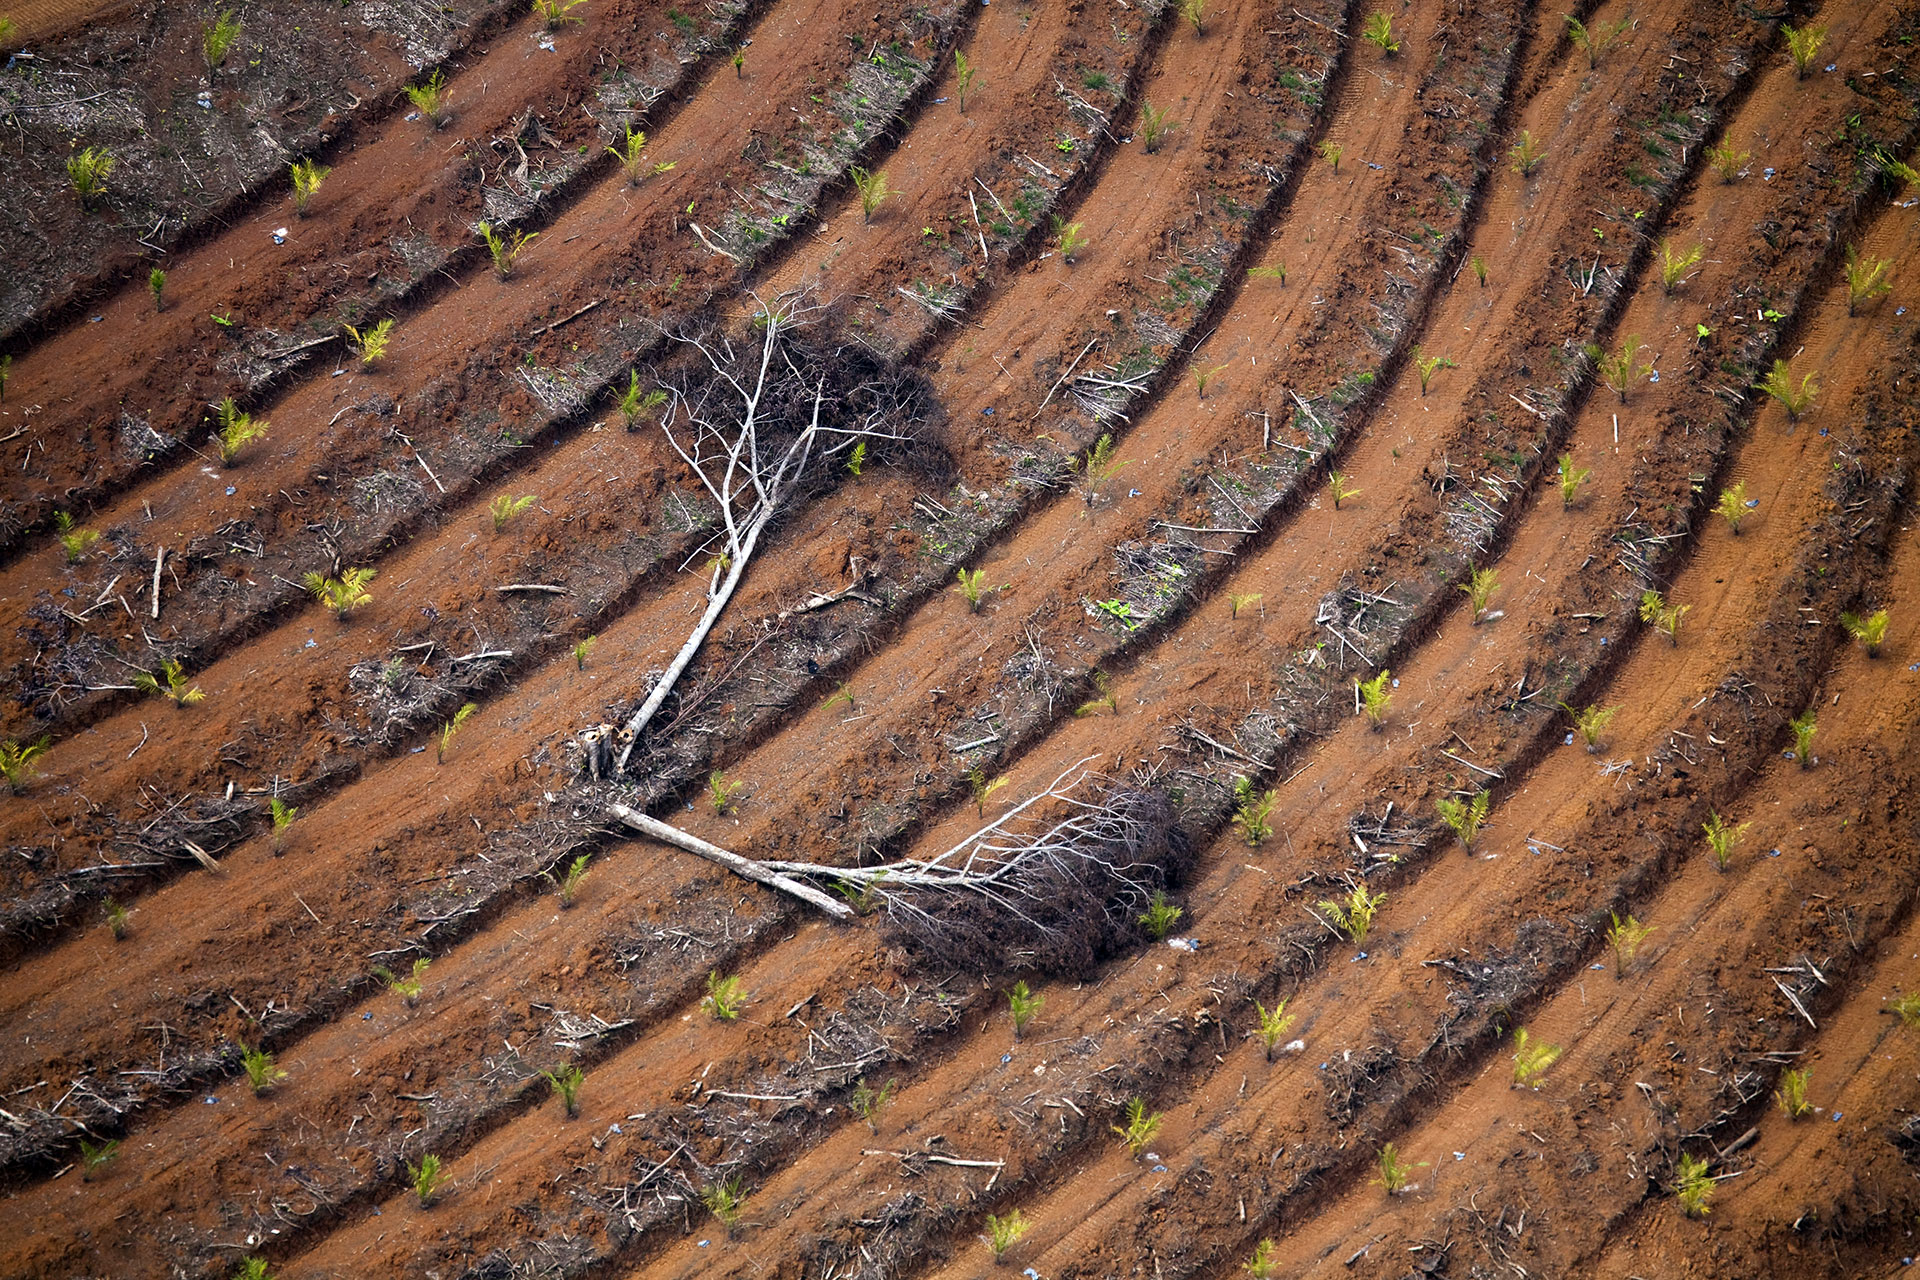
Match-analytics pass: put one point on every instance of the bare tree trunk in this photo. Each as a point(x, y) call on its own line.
point(733, 862)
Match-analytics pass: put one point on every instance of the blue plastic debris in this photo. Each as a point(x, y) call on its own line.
point(1568, 741)
point(1459, 1155)
point(1603, 640)
point(1773, 853)
point(231, 491)
point(1899, 311)
point(96, 320)
point(987, 412)
point(1654, 376)
point(1396, 684)
point(1371, 165)
point(1752, 503)
point(1767, 173)
point(211, 1099)
point(417, 750)
point(1159, 1168)
point(366, 1017)
point(310, 644)
point(1596, 966)
point(1005, 1058)
point(1837, 1115)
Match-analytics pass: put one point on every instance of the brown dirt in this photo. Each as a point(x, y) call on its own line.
point(1210, 584)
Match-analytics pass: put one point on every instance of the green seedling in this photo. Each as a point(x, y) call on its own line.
point(1354, 917)
point(1623, 939)
point(16, 762)
point(282, 815)
point(1723, 838)
point(566, 1087)
point(872, 188)
point(635, 404)
point(1154, 126)
point(632, 163)
point(857, 460)
point(1464, 817)
point(725, 1200)
point(1120, 611)
point(1240, 600)
point(1140, 1127)
point(1732, 506)
point(1693, 1187)
point(1803, 726)
point(1023, 1004)
point(253, 1269)
point(842, 693)
point(505, 250)
point(262, 1075)
point(1531, 1059)
point(1803, 45)
point(452, 727)
point(75, 542)
point(1596, 40)
point(722, 794)
point(1069, 238)
point(1907, 1009)
point(1202, 376)
point(1275, 272)
point(1527, 153)
point(863, 895)
point(217, 39)
point(307, 176)
point(1479, 588)
point(739, 61)
point(1427, 366)
point(1792, 1093)
point(1591, 722)
point(1675, 264)
point(725, 997)
point(1727, 162)
point(157, 286)
point(236, 430)
point(1195, 11)
point(983, 787)
point(1379, 31)
point(1160, 916)
point(1098, 467)
point(118, 918)
point(973, 585)
point(409, 987)
point(1372, 698)
point(343, 594)
point(581, 649)
point(964, 74)
point(429, 98)
point(1394, 1172)
point(1252, 811)
point(1571, 478)
point(555, 14)
point(1337, 486)
point(371, 344)
point(868, 1102)
point(171, 683)
point(426, 1179)
point(1479, 265)
point(87, 172)
point(1663, 617)
point(505, 508)
point(1262, 1265)
point(95, 1156)
point(1331, 153)
point(1273, 1025)
point(1867, 279)
point(1108, 698)
point(1620, 370)
point(1004, 1232)
point(568, 885)
point(1870, 630)
point(1796, 399)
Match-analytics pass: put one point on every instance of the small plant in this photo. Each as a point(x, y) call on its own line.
point(1203, 375)
point(1103, 686)
point(170, 684)
point(725, 1200)
point(343, 594)
point(409, 987)
point(1464, 817)
point(253, 1269)
point(88, 171)
point(964, 73)
point(217, 38)
point(1354, 917)
point(555, 14)
point(505, 250)
point(6, 369)
point(281, 815)
point(118, 917)
point(1275, 272)
point(872, 188)
point(632, 163)
point(1624, 938)
point(1479, 265)
point(429, 98)
point(1154, 126)
point(857, 460)
point(869, 1102)
point(1596, 40)
point(307, 176)
point(237, 430)
point(1661, 616)
point(1394, 1171)
point(1527, 154)
point(1733, 506)
point(739, 61)
point(1792, 1093)
point(1571, 478)
point(1140, 1127)
point(1870, 630)
point(1252, 811)
point(1727, 162)
point(1069, 238)
point(1160, 916)
point(16, 762)
point(1867, 279)
point(722, 794)
point(1674, 264)
point(1803, 726)
point(1907, 1009)
point(262, 1075)
point(1591, 722)
point(581, 649)
point(1331, 153)
point(1430, 365)
point(983, 787)
point(1004, 1232)
point(452, 727)
point(566, 1087)
point(634, 403)
point(841, 693)
point(1531, 1059)
point(1722, 838)
point(1479, 588)
point(372, 344)
point(725, 997)
point(1023, 1004)
point(1795, 399)
point(1803, 45)
point(1337, 486)
point(1195, 11)
point(1621, 369)
point(426, 1179)
point(505, 507)
point(1262, 1265)
point(1692, 1187)
point(1379, 31)
point(1237, 600)
point(1273, 1024)
point(157, 286)
point(95, 1156)
point(568, 885)
point(1098, 467)
point(974, 587)
point(1374, 698)
point(74, 541)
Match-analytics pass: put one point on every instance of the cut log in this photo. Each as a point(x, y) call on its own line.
point(744, 867)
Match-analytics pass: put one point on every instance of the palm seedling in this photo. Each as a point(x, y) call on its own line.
point(1379, 31)
point(581, 649)
point(723, 794)
point(568, 884)
point(157, 286)
point(409, 987)
point(1803, 45)
point(983, 788)
point(118, 918)
point(451, 727)
point(1867, 279)
point(868, 1102)
point(505, 508)
point(1160, 916)
point(1464, 817)
point(505, 250)
point(973, 585)
point(1069, 238)
point(1727, 162)
point(1195, 11)
point(426, 1179)
point(1733, 506)
point(94, 1156)
point(555, 14)
point(1262, 1265)
point(1591, 722)
point(343, 594)
point(1204, 375)
point(629, 153)
point(1394, 1172)
point(1531, 1059)
point(371, 343)
point(1723, 838)
point(842, 692)
point(87, 172)
point(566, 1087)
point(635, 403)
point(1273, 1025)
point(16, 762)
point(1621, 369)
point(307, 176)
point(1098, 467)
point(1331, 153)
point(1337, 486)
point(1479, 265)
point(1674, 264)
point(1623, 939)
point(262, 1075)
point(1023, 1004)
point(1792, 1093)
point(1004, 1232)
point(872, 189)
point(1371, 698)
point(1663, 617)
point(1278, 271)
point(1596, 40)
point(75, 542)
point(1354, 917)
point(1796, 399)
point(1803, 726)
point(1527, 153)
point(1430, 365)
point(1693, 1187)
point(170, 683)
point(237, 430)
point(1140, 1126)
point(1154, 126)
point(724, 1200)
point(1103, 686)
point(725, 997)
point(1237, 600)
point(282, 815)
point(739, 60)
point(1479, 588)
point(1907, 1009)
point(217, 39)
point(253, 1269)
point(1252, 812)
point(429, 98)
point(964, 73)
point(1870, 630)
point(857, 460)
